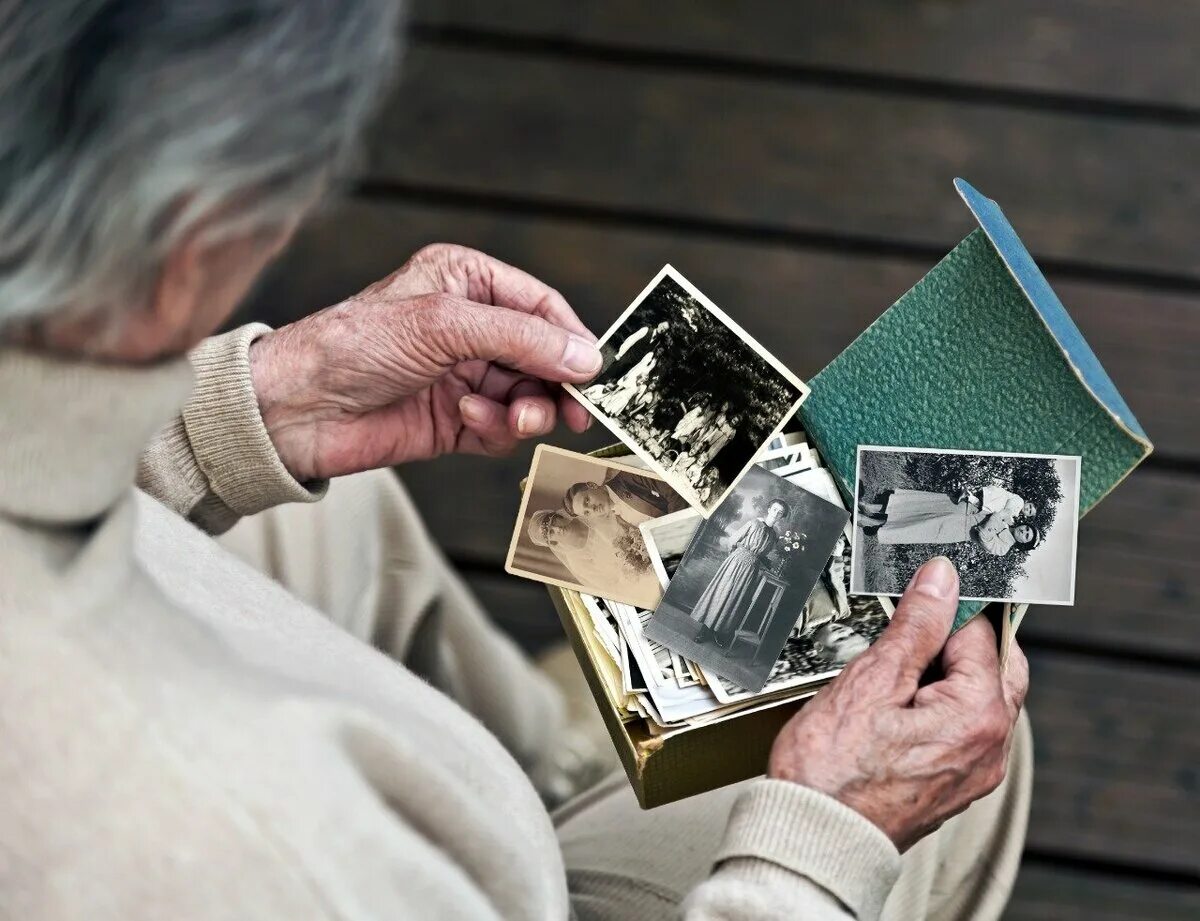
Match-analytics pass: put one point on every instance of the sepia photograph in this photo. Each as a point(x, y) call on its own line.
point(578, 526)
point(1008, 522)
point(689, 390)
point(816, 652)
point(746, 576)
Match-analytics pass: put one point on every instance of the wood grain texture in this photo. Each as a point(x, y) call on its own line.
point(1116, 751)
point(805, 159)
point(1045, 892)
point(1124, 50)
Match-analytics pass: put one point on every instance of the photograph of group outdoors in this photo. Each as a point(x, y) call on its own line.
point(688, 390)
point(1008, 522)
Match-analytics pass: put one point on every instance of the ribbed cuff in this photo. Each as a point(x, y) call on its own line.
point(226, 432)
point(814, 836)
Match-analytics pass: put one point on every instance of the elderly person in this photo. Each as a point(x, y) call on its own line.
point(310, 717)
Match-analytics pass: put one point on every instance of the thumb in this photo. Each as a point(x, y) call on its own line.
point(466, 331)
point(922, 622)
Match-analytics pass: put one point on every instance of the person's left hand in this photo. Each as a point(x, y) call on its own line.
point(455, 352)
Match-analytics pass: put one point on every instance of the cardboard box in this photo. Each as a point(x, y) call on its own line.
point(979, 355)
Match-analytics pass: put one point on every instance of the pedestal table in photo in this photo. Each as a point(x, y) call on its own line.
point(778, 586)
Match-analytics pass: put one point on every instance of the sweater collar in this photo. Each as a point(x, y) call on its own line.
point(71, 431)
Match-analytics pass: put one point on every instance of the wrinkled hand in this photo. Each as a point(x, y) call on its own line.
point(904, 756)
point(454, 352)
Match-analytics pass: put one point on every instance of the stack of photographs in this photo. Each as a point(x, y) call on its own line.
point(717, 563)
point(652, 681)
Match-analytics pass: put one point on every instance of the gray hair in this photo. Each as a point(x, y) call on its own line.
point(123, 122)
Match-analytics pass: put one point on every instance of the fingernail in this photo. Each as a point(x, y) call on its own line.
point(474, 409)
point(531, 419)
point(581, 356)
point(937, 578)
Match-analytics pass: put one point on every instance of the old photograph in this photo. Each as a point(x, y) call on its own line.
point(816, 652)
point(578, 525)
point(744, 580)
point(1008, 522)
point(666, 540)
point(689, 390)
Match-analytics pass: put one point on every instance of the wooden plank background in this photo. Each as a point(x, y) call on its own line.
point(794, 161)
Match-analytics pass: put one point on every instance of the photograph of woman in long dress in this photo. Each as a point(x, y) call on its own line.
point(1006, 521)
point(745, 576)
point(726, 599)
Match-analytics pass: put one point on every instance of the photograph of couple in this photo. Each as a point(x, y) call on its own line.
point(996, 516)
point(689, 390)
point(578, 526)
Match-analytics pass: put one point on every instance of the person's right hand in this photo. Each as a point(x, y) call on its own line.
point(906, 756)
point(456, 351)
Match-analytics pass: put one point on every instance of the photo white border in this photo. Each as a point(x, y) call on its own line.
point(1078, 458)
point(680, 484)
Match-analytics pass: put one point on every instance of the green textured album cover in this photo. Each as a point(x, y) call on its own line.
point(970, 359)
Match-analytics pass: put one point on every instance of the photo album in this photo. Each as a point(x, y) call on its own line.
point(748, 536)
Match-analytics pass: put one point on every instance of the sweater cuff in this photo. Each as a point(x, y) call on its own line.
point(226, 433)
point(812, 835)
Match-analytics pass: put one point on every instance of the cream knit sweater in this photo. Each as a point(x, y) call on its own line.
point(181, 738)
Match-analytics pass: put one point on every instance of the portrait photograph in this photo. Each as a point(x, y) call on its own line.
point(746, 576)
point(689, 390)
point(578, 525)
point(1008, 522)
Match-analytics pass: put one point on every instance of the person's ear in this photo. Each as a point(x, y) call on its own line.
point(199, 284)
point(204, 279)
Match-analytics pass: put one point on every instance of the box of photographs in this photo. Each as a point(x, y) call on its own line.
point(679, 727)
point(971, 419)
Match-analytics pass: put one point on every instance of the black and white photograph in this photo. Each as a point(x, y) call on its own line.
point(689, 390)
point(797, 457)
point(745, 577)
point(816, 652)
point(1008, 522)
point(578, 526)
point(666, 540)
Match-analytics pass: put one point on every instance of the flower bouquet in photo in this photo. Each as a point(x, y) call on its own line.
point(791, 543)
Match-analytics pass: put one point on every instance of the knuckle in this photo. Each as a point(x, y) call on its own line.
point(528, 335)
point(440, 324)
point(437, 253)
point(924, 619)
